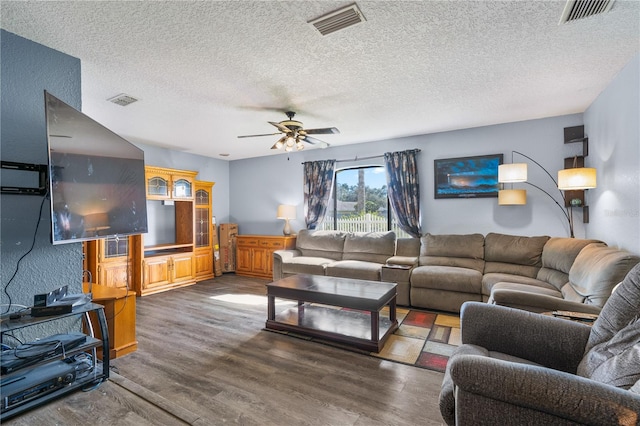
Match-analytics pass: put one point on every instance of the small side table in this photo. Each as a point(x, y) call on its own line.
point(399, 274)
point(120, 310)
point(582, 317)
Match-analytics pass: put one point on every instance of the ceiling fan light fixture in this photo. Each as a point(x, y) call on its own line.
point(293, 135)
point(280, 143)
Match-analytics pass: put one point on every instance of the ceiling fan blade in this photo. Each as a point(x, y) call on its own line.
point(323, 131)
point(255, 136)
point(313, 140)
point(282, 128)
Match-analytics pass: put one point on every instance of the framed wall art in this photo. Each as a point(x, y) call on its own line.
point(467, 177)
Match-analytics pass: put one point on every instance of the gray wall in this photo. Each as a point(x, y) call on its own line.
point(27, 70)
point(258, 185)
point(209, 169)
point(614, 142)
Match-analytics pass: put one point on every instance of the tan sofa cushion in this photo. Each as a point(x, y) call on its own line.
point(408, 247)
point(558, 255)
point(596, 270)
point(355, 269)
point(306, 265)
point(464, 251)
point(374, 247)
point(324, 244)
point(490, 280)
point(449, 278)
point(512, 254)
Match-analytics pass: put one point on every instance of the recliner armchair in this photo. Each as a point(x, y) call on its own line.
point(519, 367)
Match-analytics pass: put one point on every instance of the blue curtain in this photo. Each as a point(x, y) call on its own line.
point(318, 181)
point(403, 190)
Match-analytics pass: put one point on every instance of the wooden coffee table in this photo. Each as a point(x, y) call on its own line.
point(359, 325)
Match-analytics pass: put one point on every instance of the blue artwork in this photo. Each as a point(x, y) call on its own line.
point(467, 177)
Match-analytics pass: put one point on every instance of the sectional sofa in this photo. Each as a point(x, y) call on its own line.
point(441, 272)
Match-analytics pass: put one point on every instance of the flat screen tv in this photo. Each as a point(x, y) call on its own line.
point(96, 178)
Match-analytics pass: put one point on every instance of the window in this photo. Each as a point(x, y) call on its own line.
point(359, 202)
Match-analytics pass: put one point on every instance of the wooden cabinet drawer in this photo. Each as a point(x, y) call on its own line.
point(272, 244)
point(248, 242)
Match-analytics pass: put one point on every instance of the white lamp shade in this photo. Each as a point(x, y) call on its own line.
point(512, 197)
point(576, 178)
point(286, 212)
point(511, 173)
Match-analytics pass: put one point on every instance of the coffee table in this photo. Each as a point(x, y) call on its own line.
point(317, 314)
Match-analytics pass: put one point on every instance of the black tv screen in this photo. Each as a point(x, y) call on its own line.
point(96, 178)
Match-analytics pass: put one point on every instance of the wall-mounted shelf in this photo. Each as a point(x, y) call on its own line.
point(576, 198)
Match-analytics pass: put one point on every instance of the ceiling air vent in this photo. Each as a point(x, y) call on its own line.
point(122, 99)
point(338, 20)
point(579, 9)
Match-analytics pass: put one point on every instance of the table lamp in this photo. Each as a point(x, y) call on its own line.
point(286, 212)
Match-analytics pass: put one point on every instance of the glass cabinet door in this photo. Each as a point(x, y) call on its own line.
point(158, 186)
point(182, 188)
point(202, 224)
point(116, 247)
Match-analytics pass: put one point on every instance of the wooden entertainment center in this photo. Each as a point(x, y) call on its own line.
point(176, 252)
point(180, 208)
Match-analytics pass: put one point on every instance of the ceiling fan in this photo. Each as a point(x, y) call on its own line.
point(294, 135)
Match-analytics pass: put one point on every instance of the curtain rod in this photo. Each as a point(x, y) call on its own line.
point(364, 158)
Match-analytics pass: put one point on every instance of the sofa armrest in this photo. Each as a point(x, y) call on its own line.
point(280, 256)
point(286, 255)
point(549, 392)
point(553, 342)
point(538, 302)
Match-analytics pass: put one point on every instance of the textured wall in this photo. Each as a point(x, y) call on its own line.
point(612, 123)
point(27, 70)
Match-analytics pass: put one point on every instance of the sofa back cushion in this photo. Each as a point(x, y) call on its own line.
point(408, 247)
point(326, 244)
point(594, 273)
point(369, 246)
point(512, 254)
point(407, 251)
point(613, 348)
point(463, 251)
point(558, 256)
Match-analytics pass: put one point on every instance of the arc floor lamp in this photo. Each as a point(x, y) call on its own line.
point(568, 179)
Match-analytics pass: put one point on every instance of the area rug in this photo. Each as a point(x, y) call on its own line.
point(423, 339)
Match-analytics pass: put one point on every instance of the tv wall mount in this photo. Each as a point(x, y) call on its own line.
point(41, 169)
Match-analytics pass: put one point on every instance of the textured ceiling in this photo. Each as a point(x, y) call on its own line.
point(208, 71)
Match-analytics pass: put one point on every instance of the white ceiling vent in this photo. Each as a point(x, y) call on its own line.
point(579, 9)
point(338, 20)
point(122, 99)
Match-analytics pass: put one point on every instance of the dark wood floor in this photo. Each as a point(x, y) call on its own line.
point(203, 359)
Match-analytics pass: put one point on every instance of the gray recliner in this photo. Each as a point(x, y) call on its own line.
point(519, 367)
